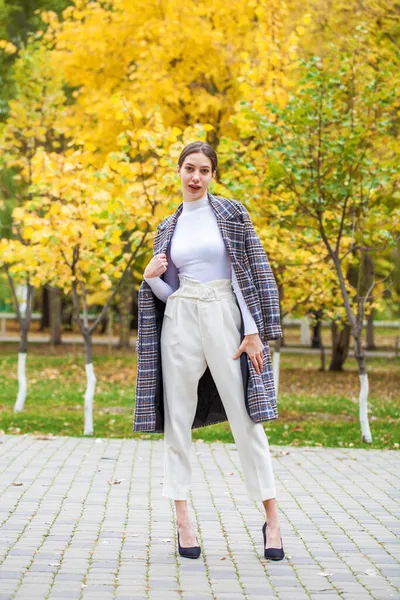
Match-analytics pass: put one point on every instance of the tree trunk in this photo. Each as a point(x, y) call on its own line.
point(24, 324)
point(316, 340)
point(125, 311)
point(90, 386)
point(45, 309)
point(369, 271)
point(364, 388)
point(55, 315)
point(22, 384)
point(370, 331)
point(340, 346)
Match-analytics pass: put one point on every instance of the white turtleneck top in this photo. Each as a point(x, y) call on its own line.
point(197, 251)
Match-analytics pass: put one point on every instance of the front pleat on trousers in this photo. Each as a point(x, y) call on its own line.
point(201, 326)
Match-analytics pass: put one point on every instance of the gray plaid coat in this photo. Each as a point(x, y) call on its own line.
point(260, 292)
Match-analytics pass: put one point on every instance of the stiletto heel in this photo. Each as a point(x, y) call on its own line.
point(192, 552)
point(272, 553)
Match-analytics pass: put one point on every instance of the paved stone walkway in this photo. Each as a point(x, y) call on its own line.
point(84, 519)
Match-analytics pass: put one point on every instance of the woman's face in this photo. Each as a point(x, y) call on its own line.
point(196, 174)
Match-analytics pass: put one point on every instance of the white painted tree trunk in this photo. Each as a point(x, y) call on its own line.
point(275, 369)
point(363, 406)
point(89, 394)
point(20, 401)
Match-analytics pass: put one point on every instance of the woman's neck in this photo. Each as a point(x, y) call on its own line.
point(190, 205)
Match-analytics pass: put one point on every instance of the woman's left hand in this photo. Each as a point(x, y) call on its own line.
point(253, 346)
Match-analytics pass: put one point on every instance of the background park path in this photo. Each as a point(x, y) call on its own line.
point(113, 341)
point(84, 519)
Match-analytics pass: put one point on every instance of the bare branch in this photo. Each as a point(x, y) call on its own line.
point(112, 296)
point(340, 233)
point(359, 276)
point(366, 297)
point(65, 259)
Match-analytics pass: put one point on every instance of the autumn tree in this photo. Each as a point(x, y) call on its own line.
point(32, 125)
point(331, 157)
point(92, 224)
point(20, 263)
point(298, 259)
point(370, 29)
point(191, 61)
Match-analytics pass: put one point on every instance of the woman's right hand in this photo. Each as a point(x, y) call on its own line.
point(156, 266)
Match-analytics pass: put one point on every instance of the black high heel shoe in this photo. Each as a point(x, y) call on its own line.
point(272, 553)
point(192, 552)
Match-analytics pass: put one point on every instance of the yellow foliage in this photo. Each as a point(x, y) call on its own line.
point(191, 64)
point(8, 47)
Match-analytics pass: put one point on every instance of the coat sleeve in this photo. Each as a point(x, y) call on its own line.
point(168, 282)
point(264, 280)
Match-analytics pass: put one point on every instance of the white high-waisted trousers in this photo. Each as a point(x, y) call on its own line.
point(201, 327)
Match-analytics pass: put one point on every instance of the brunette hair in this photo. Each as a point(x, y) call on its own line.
point(205, 149)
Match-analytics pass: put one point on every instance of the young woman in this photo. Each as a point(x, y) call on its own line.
point(207, 307)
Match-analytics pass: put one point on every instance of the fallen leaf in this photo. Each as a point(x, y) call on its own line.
point(116, 481)
point(54, 564)
point(48, 373)
point(325, 574)
point(166, 540)
point(371, 572)
point(223, 558)
point(17, 484)
point(45, 436)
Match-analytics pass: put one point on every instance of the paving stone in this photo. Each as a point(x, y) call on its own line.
point(68, 526)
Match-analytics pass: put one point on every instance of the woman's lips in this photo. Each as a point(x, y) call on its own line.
point(194, 187)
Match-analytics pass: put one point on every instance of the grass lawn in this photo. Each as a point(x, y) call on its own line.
point(316, 409)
